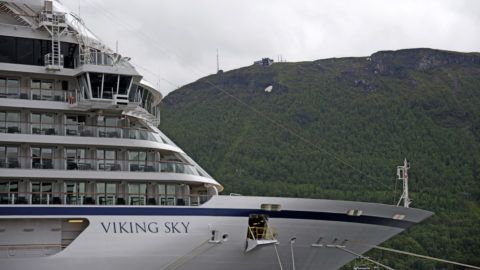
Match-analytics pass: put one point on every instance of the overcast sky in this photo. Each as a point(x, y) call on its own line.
point(176, 40)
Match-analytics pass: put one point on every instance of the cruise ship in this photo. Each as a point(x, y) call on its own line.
point(88, 181)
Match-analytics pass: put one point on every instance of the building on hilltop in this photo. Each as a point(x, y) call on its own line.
point(265, 62)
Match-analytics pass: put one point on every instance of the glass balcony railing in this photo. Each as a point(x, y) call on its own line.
point(76, 130)
point(37, 94)
point(88, 164)
point(96, 58)
point(83, 198)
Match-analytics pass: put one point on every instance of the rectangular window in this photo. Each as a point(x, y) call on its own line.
point(8, 192)
point(45, 90)
point(106, 193)
point(167, 193)
point(76, 159)
point(137, 194)
point(43, 123)
point(42, 158)
point(124, 84)
point(25, 51)
point(9, 157)
point(8, 49)
point(3, 87)
point(75, 126)
point(41, 192)
point(9, 88)
point(75, 192)
point(10, 122)
point(83, 86)
point(107, 160)
point(108, 126)
point(96, 81)
point(109, 86)
point(69, 51)
point(141, 161)
point(13, 88)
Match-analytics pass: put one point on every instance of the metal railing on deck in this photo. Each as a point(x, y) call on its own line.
point(80, 130)
point(85, 198)
point(263, 233)
point(37, 94)
point(96, 58)
point(92, 164)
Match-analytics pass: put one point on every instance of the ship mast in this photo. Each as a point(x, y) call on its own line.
point(402, 174)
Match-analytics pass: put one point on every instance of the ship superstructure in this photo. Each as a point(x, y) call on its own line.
point(87, 179)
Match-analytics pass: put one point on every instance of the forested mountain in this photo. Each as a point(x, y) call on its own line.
point(337, 128)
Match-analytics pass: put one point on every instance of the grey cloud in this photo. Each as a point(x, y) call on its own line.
point(177, 39)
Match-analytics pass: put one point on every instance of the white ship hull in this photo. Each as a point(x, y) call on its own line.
point(181, 237)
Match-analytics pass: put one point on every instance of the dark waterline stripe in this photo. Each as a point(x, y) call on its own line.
point(214, 212)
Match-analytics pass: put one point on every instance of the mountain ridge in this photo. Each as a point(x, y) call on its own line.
point(361, 117)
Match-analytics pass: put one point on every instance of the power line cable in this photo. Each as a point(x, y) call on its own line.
point(262, 114)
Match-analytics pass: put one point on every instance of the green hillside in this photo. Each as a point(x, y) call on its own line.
point(337, 128)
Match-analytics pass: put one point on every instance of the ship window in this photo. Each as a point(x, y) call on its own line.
point(7, 49)
point(137, 194)
point(138, 97)
point(25, 51)
point(69, 51)
point(167, 192)
point(75, 192)
point(3, 87)
point(107, 160)
point(10, 122)
point(44, 90)
point(9, 88)
point(145, 98)
point(8, 192)
point(41, 192)
point(75, 125)
point(132, 93)
point(107, 126)
point(124, 84)
point(106, 193)
point(43, 123)
point(40, 49)
point(109, 86)
point(76, 159)
point(9, 157)
point(96, 83)
point(169, 156)
point(82, 82)
point(64, 85)
point(42, 158)
point(141, 161)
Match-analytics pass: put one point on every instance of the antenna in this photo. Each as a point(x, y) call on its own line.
point(116, 46)
point(218, 65)
point(402, 174)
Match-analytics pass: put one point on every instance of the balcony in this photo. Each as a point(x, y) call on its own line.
point(89, 164)
point(10, 163)
point(38, 94)
point(83, 198)
point(80, 130)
